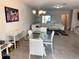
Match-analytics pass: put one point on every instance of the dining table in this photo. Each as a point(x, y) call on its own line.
point(42, 35)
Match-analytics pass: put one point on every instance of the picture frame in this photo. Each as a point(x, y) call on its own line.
point(11, 14)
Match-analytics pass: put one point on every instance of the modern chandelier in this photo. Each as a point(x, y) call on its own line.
point(39, 12)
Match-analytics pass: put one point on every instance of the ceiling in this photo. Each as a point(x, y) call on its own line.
point(48, 4)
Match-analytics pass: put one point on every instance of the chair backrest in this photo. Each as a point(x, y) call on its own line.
point(30, 33)
point(52, 35)
point(36, 47)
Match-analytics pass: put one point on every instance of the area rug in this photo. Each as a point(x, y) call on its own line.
point(58, 32)
point(62, 32)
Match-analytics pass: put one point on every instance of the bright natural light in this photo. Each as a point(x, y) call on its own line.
point(46, 19)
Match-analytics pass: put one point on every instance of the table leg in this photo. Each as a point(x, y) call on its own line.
point(7, 50)
point(0, 54)
point(14, 42)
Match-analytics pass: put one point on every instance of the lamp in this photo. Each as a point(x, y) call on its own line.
point(59, 5)
point(34, 11)
point(39, 12)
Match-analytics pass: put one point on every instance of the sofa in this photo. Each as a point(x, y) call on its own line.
point(57, 27)
point(37, 27)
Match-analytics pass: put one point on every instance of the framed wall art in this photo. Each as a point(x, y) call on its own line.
point(11, 14)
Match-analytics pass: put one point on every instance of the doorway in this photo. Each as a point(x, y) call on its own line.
point(65, 21)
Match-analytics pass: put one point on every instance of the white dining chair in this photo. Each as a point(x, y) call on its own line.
point(49, 41)
point(36, 47)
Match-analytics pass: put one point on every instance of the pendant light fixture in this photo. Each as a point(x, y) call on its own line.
point(39, 12)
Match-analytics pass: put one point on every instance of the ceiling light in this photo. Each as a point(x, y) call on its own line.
point(34, 11)
point(39, 12)
point(44, 12)
point(57, 6)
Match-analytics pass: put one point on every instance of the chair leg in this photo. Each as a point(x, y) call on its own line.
point(52, 48)
point(29, 56)
point(42, 57)
point(44, 52)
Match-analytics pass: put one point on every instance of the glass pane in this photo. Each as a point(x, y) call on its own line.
point(46, 19)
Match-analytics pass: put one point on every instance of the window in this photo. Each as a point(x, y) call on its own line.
point(46, 19)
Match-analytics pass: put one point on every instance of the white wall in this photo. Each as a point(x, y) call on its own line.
point(56, 16)
point(75, 21)
point(25, 16)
